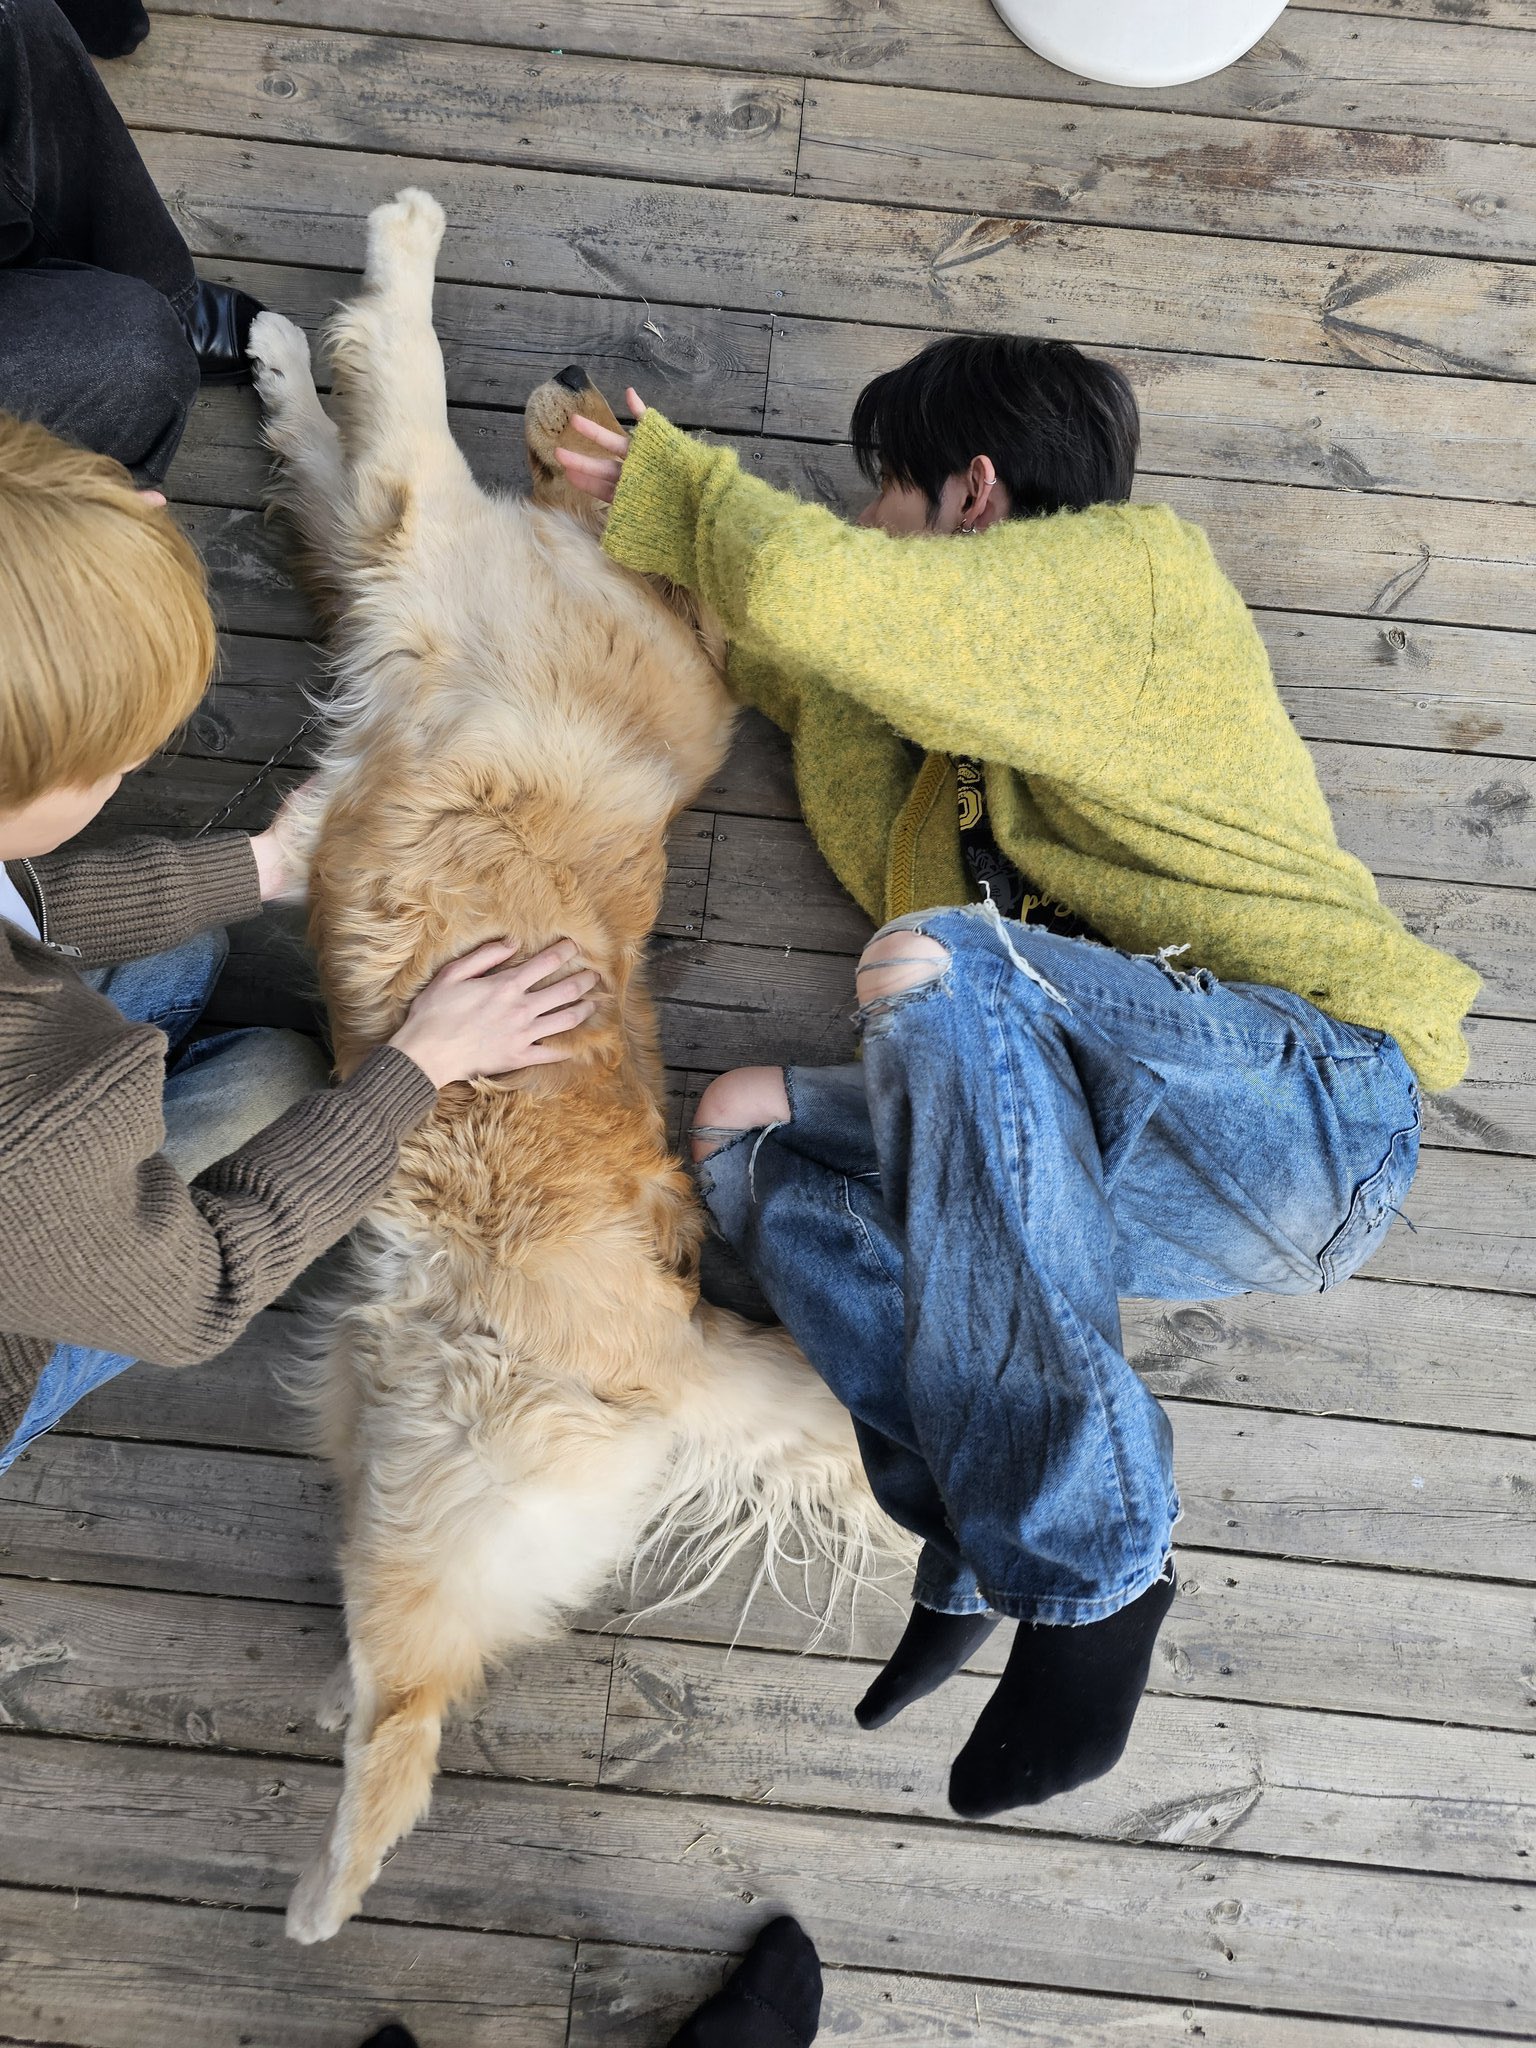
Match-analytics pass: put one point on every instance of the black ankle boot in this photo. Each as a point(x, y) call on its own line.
point(1063, 1708)
point(218, 325)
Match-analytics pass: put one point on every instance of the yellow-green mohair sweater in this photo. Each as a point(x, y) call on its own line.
point(1140, 769)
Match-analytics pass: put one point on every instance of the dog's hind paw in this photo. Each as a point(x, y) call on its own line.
point(317, 1908)
point(333, 1709)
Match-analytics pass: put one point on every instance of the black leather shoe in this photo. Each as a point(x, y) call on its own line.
point(218, 324)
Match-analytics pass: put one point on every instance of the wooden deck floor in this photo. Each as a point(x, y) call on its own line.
point(1318, 271)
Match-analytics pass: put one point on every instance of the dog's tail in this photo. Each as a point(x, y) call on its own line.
point(767, 1463)
point(391, 1759)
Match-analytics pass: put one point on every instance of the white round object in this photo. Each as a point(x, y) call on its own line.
point(1140, 42)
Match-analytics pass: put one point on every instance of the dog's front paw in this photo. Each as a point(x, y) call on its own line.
point(407, 230)
point(279, 356)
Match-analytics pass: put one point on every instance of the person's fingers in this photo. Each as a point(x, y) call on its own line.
point(637, 405)
point(545, 1055)
point(615, 441)
point(544, 1000)
point(591, 471)
point(522, 977)
point(153, 497)
point(564, 1020)
point(494, 953)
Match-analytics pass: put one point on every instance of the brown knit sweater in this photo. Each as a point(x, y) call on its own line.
point(101, 1241)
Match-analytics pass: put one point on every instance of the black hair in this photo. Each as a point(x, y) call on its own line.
point(1061, 428)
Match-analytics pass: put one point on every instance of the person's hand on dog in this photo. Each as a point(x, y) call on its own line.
point(479, 1016)
point(598, 475)
point(281, 873)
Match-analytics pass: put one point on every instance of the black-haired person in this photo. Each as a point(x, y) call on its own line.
point(1013, 690)
point(106, 330)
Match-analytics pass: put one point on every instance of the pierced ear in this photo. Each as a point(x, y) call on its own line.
point(981, 479)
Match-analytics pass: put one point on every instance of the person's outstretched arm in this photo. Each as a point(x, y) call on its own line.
point(997, 644)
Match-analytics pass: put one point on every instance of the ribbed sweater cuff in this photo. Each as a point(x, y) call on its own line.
point(653, 523)
point(321, 1164)
point(392, 1089)
point(120, 902)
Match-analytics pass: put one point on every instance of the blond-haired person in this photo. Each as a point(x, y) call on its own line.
point(158, 1187)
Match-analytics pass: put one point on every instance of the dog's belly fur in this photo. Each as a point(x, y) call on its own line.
point(518, 1379)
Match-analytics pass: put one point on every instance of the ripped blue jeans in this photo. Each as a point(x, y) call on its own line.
point(947, 1230)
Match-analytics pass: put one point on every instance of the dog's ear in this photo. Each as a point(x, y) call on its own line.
point(547, 426)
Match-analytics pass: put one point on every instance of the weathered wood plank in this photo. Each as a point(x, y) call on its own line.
point(1374, 1351)
point(1334, 1787)
point(1474, 1225)
point(1129, 167)
point(624, 1995)
point(1193, 173)
point(246, 1675)
point(708, 1720)
point(138, 1973)
point(1497, 13)
point(1493, 929)
point(1218, 416)
point(1314, 67)
point(1270, 1630)
point(1398, 557)
point(421, 98)
point(1235, 1929)
point(839, 260)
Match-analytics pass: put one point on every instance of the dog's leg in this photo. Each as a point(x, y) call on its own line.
point(309, 481)
point(333, 1709)
point(388, 367)
point(391, 1756)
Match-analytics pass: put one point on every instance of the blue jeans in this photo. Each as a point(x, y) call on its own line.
point(947, 1231)
point(219, 1091)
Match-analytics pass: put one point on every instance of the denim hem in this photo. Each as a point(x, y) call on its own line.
point(940, 1602)
point(1052, 1612)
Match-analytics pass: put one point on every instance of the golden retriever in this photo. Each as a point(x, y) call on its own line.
point(520, 1385)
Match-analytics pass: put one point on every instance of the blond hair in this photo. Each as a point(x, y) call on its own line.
point(106, 639)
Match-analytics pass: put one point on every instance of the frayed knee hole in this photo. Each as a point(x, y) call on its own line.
point(897, 961)
point(745, 1100)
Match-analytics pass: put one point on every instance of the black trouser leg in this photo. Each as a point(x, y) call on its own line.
point(72, 184)
point(100, 360)
point(93, 273)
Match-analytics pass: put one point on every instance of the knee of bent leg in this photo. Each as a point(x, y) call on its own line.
point(894, 962)
point(743, 1100)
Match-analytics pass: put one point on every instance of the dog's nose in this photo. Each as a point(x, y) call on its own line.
point(573, 377)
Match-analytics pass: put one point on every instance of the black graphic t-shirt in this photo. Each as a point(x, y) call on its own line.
point(991, 869)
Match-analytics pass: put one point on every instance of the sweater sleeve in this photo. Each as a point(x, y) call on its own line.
point(992, 644)
point(108, 1247)
point(139, 896)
